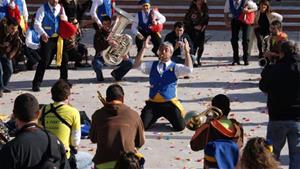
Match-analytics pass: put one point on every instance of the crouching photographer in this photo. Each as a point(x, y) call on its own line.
point(271, 44)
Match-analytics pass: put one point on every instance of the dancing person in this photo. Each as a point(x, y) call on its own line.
point(163, 76)
point(115, 128)
point(144, 21)
point(281, 83)
point(196, 20)
point(236, 8)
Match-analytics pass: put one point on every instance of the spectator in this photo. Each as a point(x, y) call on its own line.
point(263, 19)
point(63, 120)
point(115, 128)
point(281, 83)
point(258, 153)
point(176, 38)
point(9, 47)
point(30, 147)
point(196, 20)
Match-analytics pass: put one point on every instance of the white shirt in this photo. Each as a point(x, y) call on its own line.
point(93, 11)
point(40, 16)
point(159, 18)
point(29, 42)
point(227, 5)
point(180, 69)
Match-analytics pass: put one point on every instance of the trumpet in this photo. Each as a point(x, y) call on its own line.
point(194, 120)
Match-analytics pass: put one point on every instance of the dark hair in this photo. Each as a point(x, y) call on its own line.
point(178, 25)
point(277, 24)
point(11, 21)
point(61, 90)
point(25, 107)
point(289, 48)
point(128, 161)
point(106, 18)
point(204, 7)
point(266, 2)
point(222, 102)
point(257, 154)
point(114, 92)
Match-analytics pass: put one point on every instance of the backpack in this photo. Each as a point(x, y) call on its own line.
point(51, 159)
point(85, 125)
point(55, 154)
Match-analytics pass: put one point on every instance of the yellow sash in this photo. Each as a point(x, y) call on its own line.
point(159, 99)
point(60, 46)
point(23, 24)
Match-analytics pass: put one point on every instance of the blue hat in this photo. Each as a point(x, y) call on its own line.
point(141, 2)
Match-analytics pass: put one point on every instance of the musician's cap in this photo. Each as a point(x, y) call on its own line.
point(67, 29)
point(142, 2)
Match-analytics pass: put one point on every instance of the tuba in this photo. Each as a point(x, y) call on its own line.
point(114, 55)
point(194, 120)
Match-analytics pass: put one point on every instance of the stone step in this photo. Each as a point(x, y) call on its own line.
point(178, 9)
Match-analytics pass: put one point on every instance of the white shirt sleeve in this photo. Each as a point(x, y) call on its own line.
point(93, 11)
point(38, 21)
point(227, 7)
point(29, 42)
point(134, 26)
point(182, 70)
point(160, 18)
point(75, 137)
point(146, 67)
point(25, 11)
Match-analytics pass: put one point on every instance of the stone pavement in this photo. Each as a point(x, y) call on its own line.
point(165, 148)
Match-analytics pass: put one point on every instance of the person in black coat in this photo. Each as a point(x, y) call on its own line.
point(281, 83)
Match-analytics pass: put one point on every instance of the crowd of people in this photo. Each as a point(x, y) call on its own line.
point(48, 136)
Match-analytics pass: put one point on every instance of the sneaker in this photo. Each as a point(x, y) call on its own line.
point(113, 74)
point(246, 63)
point(36, 88)
point(235, 62)
point(6, 90)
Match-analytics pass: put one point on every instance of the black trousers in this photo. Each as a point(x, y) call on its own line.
point(47, 51)
point(198, 39)
point(155, 39)
point(33, 57)
point(260, 37)
point(236, 26)
point(152, 111)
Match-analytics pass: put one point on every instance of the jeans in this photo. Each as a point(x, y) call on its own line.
point(84, 160)
point(279, 132)
point(117, 73)
point(6, 70)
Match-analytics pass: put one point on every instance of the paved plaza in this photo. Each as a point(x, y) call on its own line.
point(165, 148)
